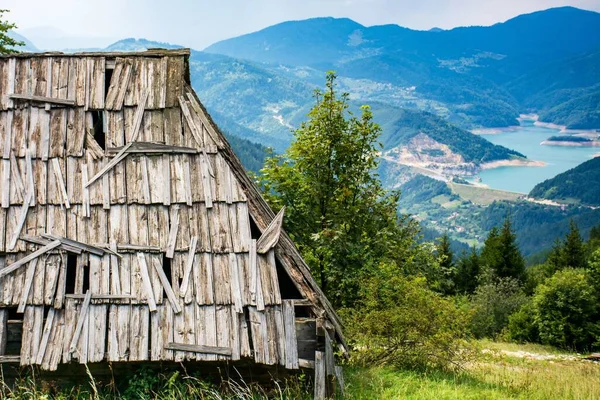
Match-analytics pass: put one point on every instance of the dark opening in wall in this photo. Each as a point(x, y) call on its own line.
point(166, 263)
point(99, 128)
point(86, 279)
point(13, 329)
point(287, 288)
point(108, 73)
point(255, 232)
point(71, 273)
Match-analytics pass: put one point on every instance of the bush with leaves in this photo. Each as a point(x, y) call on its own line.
point(522, 326)
point(493, 303)
point(399, 321)
point(566, 310)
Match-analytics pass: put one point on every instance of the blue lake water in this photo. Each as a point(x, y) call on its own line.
point(526, 140)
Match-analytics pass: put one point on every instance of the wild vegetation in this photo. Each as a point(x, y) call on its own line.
point(580, 184)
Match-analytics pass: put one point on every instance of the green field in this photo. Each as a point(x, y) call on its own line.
point(481, 195)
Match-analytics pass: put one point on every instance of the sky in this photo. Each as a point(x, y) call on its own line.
point(199, 23)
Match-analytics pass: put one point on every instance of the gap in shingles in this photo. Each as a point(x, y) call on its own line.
point(287, 288)
point(71, 273)
point(99, 128)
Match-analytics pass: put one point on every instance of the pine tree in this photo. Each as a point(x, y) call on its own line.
point(501, 255)
point(573, 251)
point(446, 262)
point(467, 272)
point(7, 44)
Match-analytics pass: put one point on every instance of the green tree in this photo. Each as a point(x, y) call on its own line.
point(447, 271)
point(7, 44)
point(566, 310)
point(573, 248)
point(467, 272)
point(337, 211)
point(501, 254)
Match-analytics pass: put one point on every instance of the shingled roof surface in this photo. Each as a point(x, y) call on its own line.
point(129, 231)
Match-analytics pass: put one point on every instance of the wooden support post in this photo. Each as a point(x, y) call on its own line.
point(320, 378)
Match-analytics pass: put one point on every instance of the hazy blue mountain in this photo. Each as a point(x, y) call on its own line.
point(29, 46)
point(477, 74)
point(132, 44)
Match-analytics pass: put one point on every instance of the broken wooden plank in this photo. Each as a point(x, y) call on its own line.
point(120, 156)
point(139, 114)
point(304, 363)
point(20, 222)
point(98, 251)
point(60, 182)
point(196, 348)
point(152, 148)
point(320, 382)
point(45, 336)
point(101, 296)
point(28, 283)
point(41, 99)
point(270, 236)
point(80, 321)
point(168, 289)
point(43, 242)
point(173, 233)
point(7, 270)
point(188, 267)
point(146, 281)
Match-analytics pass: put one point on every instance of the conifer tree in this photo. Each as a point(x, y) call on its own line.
point(501, 254)
point(573, 251)
point(446, 262)
point(467, 272)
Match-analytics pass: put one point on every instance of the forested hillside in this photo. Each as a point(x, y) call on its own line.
point(579, 185)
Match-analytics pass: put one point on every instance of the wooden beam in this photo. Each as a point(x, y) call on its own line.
point(10, 359)
point(98, 251)
point(7, 270)
point(320, 382)
point(60, 182)
point(168, 289)
point(102, 296)
point(43, 242)
point(173, 234)
point(152, 148)
point(188, 117)
point(304, 363)
point(122, 154)
point(82, 317)
point(196, 348)
point(146, 281)
point(41, 99)
point(21, 221)
point(270, 236)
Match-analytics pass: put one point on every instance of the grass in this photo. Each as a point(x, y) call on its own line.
point(481, 195)
point(494, 375)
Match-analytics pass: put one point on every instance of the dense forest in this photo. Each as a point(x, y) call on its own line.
point(580, 185)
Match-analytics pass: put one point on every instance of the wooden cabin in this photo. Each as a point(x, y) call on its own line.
point(130, 232)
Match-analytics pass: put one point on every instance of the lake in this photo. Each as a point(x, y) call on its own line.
point(526, 140)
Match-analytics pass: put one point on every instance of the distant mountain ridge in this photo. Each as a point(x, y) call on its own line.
point(469, 70)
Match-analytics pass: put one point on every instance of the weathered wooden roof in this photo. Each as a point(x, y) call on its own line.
point(128, 227)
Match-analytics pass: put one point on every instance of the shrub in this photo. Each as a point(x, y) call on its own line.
point(401, 322)
point(493, 303)
point(522, 327)
point(566, 310)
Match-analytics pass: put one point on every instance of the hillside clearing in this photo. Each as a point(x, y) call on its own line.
point(482, 195)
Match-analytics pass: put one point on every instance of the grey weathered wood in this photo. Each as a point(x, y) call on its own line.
point(28, 282)
point(60, 182)
point(188, 267)
point(145, 180)
point(61, 286)
point(20, 222)
point(139, 114)
point(173, 233)
point(195, 348)
point(166, 161)
point(291, 344)
point(304, 363)
point(122, 154)
point(45, 336)
point(81, 321)
point(7, 270)
point(43, 242)
point(29, 172)
point(3, 331)
point(320, 382)
point(6, 182)
point(168, 289)
point(10, 359)
point(16, 179)
point(206, 180)
point(235, 282)
point(146, 281)
point(74, 243)
point(191, 123)
point(152, 148)
point(270, 235)
point(86, 191)
point(101, 296)
point(339, 377)
point(41, 99)
point(329, 356)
